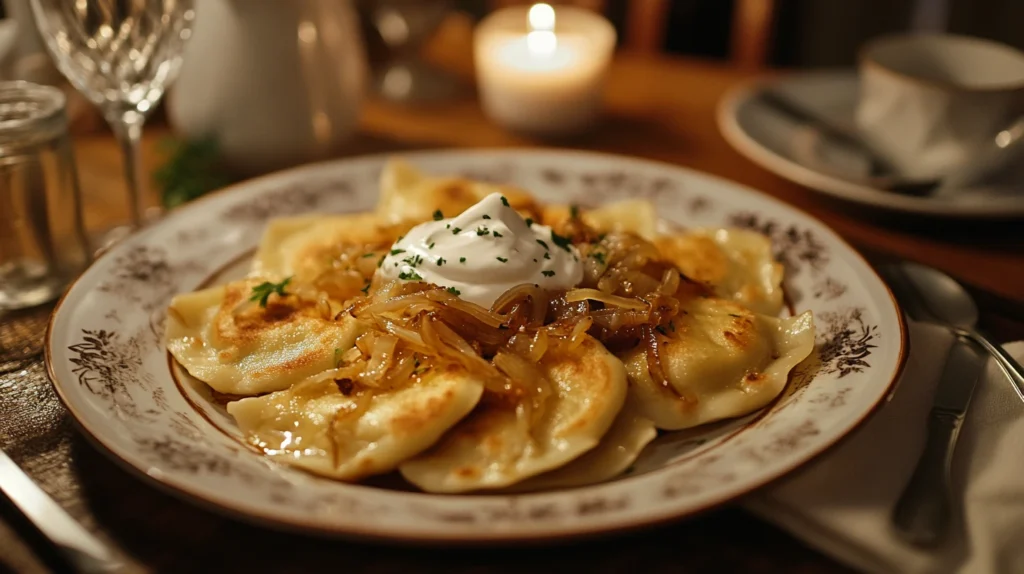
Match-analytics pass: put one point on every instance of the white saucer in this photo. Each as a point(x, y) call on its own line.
point(783, 147)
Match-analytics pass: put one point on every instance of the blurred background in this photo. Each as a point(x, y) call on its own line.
point(800, 33)
point(421, 77)
point(749, 34)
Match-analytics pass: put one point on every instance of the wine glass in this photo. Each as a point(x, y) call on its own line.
point(121, 55)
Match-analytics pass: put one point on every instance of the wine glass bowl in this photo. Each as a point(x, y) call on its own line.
point(122, 55)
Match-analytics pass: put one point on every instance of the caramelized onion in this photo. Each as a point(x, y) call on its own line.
point(402, 371)
point(606, 298)
point(409, 337)
point(579, 332)
point(626, 294)
point(653, 351)
point(381, 355)
point(401, 302)
point(453, 340)
point(539, 345)
point(536, 297)
point(529, 376)
point(472, 309)
point(471, 329)
point(669, 282)
point(615, 319)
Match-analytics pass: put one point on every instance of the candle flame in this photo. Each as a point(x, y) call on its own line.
point(541, 18)
point(541, 39)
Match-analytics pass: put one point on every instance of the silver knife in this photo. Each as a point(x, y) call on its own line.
point(924, 510)
point(80, 548)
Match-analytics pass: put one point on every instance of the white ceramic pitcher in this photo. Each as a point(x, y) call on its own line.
point(275, 83)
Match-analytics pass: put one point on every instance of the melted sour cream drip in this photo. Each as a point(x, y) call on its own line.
point(483, 252)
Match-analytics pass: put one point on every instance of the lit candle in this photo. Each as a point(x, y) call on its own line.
point(540, 70)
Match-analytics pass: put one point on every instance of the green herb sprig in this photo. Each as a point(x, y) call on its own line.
point(192, 169)
point(263, 291)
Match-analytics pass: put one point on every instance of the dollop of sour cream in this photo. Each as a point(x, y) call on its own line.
point(483, 252)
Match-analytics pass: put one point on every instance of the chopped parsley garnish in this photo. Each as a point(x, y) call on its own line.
point(454, 291)
point(547, 255)
point(502, 259)
point(529, 222)
point(431, 246)
point(447, 225)
point(563, 242)
point(413, 260)
point(487, 216)
point(397, 251)
point(543, 244)
point(496, 234)
point(574, 212)
point(504, 201)
point(410, 276)
point(263, 291)
point(734, 315)
point(462, 259)
point(337, 357)
point(456, 230)
point(441, 261)
point(598, 256)
point(535, 261)
point(381, 261)
point(482, 231)
point(548, 273)
point(367, 255)
point(438, 216)
point(366, 288)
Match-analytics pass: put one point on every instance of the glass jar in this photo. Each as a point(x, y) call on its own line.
point(43, 244)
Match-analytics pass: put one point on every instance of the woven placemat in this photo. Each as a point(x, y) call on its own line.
point(155, 532)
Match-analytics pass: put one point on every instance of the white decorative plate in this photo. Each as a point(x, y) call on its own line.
point(107, 360)
point(784, 148)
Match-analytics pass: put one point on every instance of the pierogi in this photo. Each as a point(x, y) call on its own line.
point(240, 350)
point(317, 426)
point(348, 363)
point(494, 447)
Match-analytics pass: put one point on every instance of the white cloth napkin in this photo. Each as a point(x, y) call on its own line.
point(842, 502)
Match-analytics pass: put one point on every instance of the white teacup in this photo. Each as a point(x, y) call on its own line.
point(933, 103)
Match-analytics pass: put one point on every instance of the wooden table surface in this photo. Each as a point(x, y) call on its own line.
point(661, 109)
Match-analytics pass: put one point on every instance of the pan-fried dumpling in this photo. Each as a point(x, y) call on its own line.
point(306, 247)
point(240, 348)
point(738, 263)
point(619, 447)
point(407, 194)
point(635, 216)
point(494, 448)
point(315, 425)
point(721, 361)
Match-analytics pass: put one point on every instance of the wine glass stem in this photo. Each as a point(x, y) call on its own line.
point(127, 128)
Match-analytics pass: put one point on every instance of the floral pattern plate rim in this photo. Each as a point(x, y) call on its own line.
point(106, 358)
